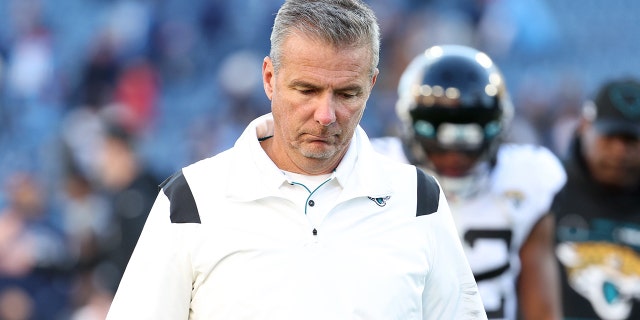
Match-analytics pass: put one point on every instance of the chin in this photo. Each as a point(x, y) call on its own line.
point(319, 155)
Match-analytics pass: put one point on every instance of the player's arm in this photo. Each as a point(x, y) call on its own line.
point(538, 284)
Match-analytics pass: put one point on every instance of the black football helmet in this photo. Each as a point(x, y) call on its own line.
point(453, 97)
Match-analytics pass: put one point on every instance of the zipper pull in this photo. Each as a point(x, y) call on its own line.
point(315, 232)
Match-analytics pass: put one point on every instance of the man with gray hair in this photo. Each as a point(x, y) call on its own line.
point(301, 219)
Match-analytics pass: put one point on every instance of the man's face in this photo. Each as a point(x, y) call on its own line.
point(317, 100)
point(613, 160)
point(453, 160)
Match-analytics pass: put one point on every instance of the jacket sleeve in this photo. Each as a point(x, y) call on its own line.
point(157, 282)
point(450, 290)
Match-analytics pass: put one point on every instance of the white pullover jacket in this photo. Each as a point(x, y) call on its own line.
point(226, 239)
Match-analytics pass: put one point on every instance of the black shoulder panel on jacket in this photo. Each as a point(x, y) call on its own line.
point(183, 205)
point(428, 194)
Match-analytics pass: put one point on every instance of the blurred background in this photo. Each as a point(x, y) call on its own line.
point(100, 100)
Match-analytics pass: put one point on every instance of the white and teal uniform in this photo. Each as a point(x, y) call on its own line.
point(494, 212)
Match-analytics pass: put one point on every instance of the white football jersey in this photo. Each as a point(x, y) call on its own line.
point(496, 220)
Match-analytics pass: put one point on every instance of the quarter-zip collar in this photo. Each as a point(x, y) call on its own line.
point(254, 175)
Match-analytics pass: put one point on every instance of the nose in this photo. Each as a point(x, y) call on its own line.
point(325, 113)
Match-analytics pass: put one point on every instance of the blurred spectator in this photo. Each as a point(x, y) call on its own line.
point(85, 219)
point(136, 95)
point(16, 304)
point(98, 75)
point(81, 132)
point(130, 189)
point(30, 64)
point(33, 256)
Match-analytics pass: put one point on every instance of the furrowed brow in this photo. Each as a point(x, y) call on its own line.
point(303, 84)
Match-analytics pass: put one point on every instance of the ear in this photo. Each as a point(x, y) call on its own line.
point(268, 76)
point(375, 77)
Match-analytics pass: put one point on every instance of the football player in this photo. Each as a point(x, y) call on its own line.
point(455, 109)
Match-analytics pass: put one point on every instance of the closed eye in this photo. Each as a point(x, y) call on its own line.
point(350, 92)
point(306, 91)
point(349, 95)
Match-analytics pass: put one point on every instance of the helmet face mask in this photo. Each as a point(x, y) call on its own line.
point(450, 136)
point(453, 98)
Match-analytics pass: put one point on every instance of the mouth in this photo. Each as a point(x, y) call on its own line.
point(325, 137)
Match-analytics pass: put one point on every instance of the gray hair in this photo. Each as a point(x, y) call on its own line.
point(342, 23)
